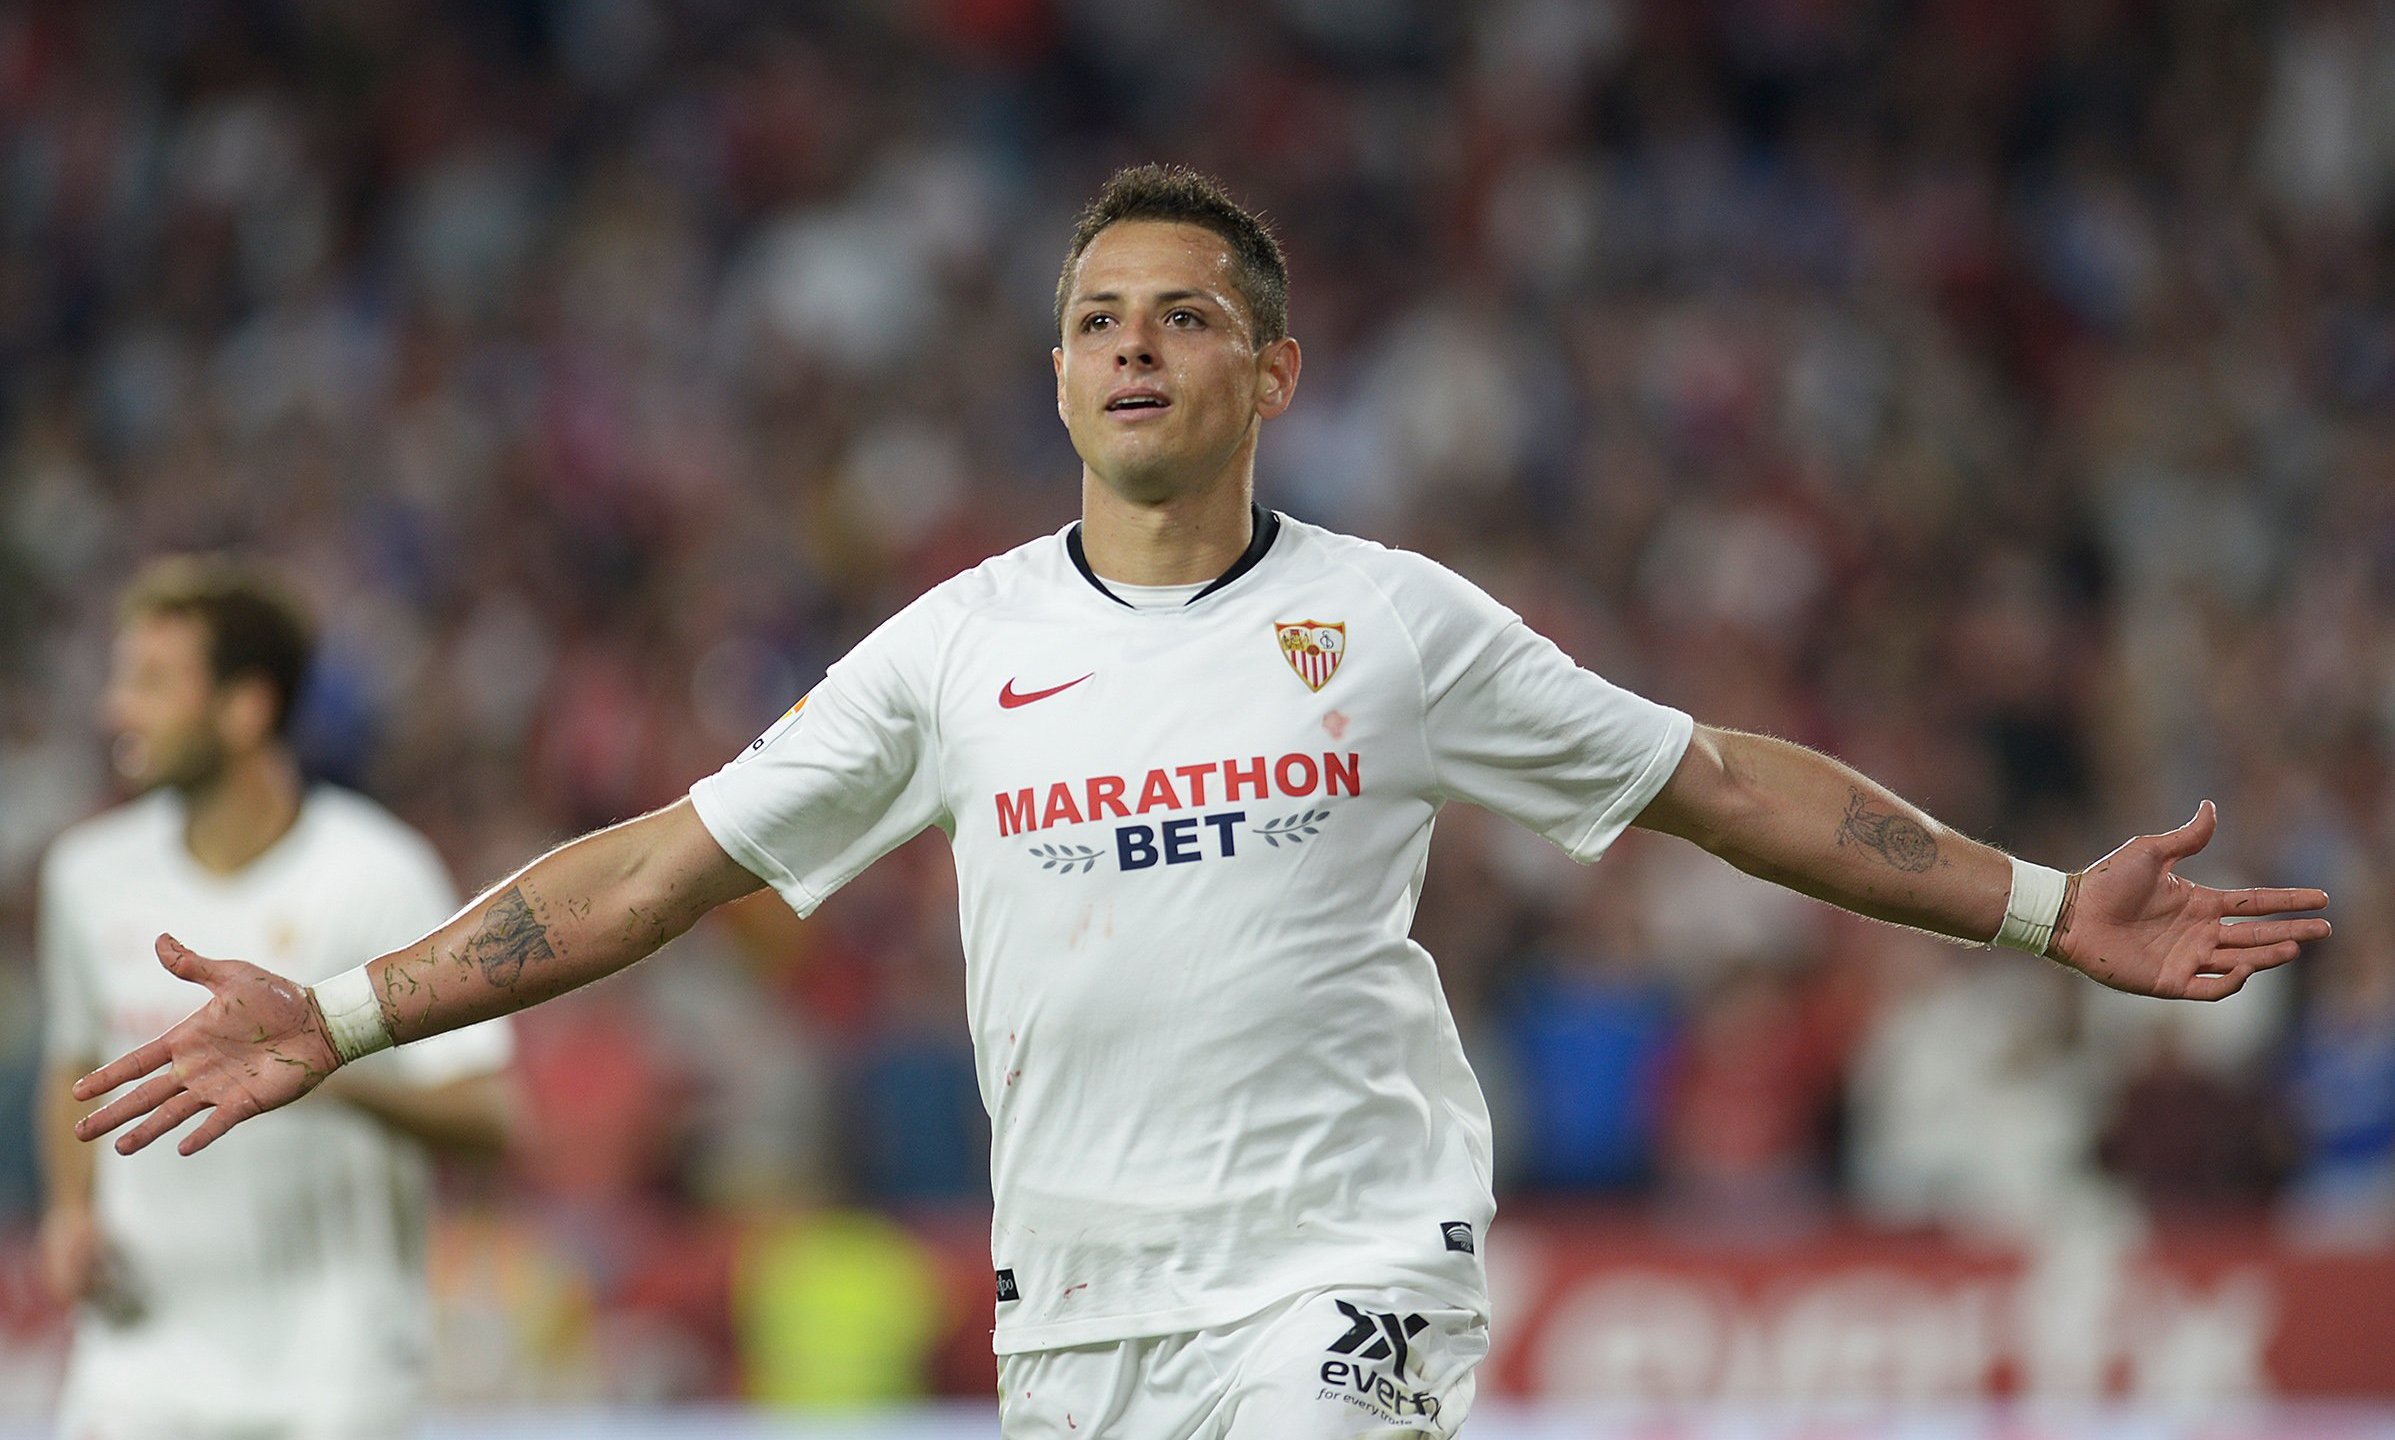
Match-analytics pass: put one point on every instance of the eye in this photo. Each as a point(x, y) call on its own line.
point(1096, 320)
point(1184, 316)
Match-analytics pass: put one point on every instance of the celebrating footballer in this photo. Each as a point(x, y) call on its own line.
point(1189, 753)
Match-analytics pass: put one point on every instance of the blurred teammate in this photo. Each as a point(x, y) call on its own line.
point(1188, 752)
point(274, 1288)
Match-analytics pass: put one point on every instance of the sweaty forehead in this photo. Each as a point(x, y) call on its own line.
point(1136, 257)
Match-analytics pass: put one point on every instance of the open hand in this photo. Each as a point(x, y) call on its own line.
point(259, 1043)
point(2132, 924)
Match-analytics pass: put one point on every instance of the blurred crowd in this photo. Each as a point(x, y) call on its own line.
point(1999, 395)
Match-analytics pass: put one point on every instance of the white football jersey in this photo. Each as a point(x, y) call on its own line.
point(274, 1282)
point(1189, 842)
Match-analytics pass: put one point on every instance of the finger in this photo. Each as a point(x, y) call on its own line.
point(166, 1117)
point(2264, 957)
point(2191, 837)
point(129, 1106)
point(2247, 933)
point(186, 963)
point(218, 1122)
point(2271, 902)
point(2217, 987)
point(127, 1067)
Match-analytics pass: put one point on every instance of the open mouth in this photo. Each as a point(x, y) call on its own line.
point(1135, 402)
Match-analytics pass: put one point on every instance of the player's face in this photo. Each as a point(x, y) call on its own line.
point(1158, 379)
point(164, 707)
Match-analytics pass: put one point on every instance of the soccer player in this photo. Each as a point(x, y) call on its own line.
point(275, 1287)
point(1188, 752)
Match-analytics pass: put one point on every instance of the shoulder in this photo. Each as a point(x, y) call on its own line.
point(1027, 572)
point(350, 828)
point(131, 833)
point(913, 639)
point(1424, 594)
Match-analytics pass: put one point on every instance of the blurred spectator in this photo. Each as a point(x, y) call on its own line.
point(836, 1308)
point(609, 1110)
point(2342, 1087)
point(2186, 1140)
point(1748, 1099)
point(1587, 1047)
point(1969, 1102)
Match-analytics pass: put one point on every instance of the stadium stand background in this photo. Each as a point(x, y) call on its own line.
point(1996, 394)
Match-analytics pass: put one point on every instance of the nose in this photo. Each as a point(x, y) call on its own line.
point(1132, 347)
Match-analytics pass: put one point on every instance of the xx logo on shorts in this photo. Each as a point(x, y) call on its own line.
point(1388, 1334)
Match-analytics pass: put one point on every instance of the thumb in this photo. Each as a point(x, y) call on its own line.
point(184, 963)
point(2190, 837)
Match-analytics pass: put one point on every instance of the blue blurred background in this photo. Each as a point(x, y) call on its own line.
point(1998, 394)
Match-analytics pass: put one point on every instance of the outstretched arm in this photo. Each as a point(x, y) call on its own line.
point(474, 1115)
point(1800, 819)
point(584, 910)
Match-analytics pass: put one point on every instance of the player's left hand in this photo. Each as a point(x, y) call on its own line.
point(2134, 925)
point(259, 1043)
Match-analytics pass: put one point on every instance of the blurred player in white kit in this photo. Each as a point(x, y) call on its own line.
point(274, 1288)
point(1188, 753)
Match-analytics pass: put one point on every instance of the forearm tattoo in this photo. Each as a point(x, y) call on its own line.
point(1897, 840)
point(508, 937)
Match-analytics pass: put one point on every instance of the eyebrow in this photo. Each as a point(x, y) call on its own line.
point(1109, 297)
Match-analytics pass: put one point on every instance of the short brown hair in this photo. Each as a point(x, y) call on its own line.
point(1178, 195)
point(256, 627)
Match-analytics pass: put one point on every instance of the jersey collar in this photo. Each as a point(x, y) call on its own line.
point(1264, 525)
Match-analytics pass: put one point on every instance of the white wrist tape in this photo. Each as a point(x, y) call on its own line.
point(2032, 908)
point(353, 1013)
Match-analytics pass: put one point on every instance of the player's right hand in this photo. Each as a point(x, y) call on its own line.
point(258, 1044)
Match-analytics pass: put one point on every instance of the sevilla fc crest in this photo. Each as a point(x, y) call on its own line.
point(1313, 648)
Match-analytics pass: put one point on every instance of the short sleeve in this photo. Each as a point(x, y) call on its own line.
point(845, 777)
point(71, 1018)
point(1515, 726)
point(412, 896)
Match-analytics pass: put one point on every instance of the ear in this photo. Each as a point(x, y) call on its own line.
point(1056, 357)
point(1276, 377)
point(245, 712)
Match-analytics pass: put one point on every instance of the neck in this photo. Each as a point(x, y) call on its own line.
point(1176, 541)
point(237, 816)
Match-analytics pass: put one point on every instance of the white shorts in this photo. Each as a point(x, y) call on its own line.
point(1355, 1364)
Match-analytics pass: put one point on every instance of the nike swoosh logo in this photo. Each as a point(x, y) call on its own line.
point(1008, 699)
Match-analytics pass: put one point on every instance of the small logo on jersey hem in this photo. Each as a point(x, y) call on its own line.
point(1007, 1289)
point(1313, 648)
point(1458, 1235)
point(1010, 699)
